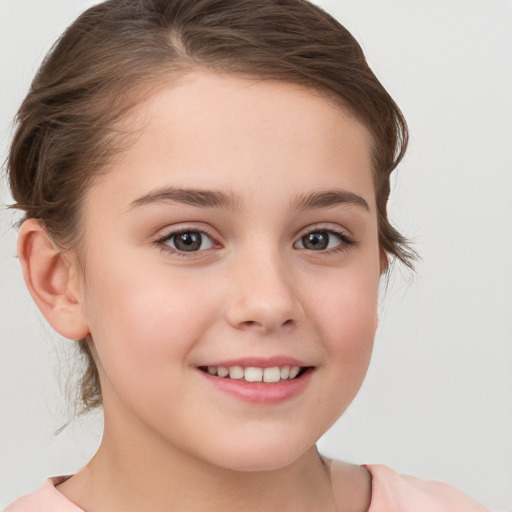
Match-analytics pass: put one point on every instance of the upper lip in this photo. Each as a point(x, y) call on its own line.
point(260, 362)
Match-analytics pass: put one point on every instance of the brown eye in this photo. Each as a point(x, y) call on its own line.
point(316, 241)
point(322, 240)
point(189, 241)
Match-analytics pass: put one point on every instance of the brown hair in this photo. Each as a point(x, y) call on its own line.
point(66, 131)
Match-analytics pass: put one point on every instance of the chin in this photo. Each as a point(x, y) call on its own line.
point(253, 456)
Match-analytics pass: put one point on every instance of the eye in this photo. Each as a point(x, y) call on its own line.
point(187, 241)
point(322, 240)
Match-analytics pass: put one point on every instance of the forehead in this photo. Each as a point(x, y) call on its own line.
point(219, 130)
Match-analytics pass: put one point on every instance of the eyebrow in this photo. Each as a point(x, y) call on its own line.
point(204, 198)
point(190, 196)
point(328, 198)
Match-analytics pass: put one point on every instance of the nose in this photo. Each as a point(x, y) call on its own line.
point(263, 295)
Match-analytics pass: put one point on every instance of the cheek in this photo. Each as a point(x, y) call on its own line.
point(140, 301)
point(346, 306)
point(145, 322)
point(346, 317)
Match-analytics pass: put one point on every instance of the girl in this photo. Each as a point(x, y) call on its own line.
point(205, 186)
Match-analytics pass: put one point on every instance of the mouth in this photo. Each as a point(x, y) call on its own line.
point(263, 382)
point(270, 375)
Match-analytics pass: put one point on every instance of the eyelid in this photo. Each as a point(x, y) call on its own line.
point(346, 238)
point(324, 226)
point(171, 231)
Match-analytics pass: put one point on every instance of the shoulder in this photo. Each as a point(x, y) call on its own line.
point(44, 499)
point(392, 492)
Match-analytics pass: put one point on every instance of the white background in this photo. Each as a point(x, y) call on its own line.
point(437, 401)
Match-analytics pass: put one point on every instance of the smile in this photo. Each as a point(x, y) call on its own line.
point(256, 374)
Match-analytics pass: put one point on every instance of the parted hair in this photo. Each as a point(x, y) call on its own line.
point(67, 127)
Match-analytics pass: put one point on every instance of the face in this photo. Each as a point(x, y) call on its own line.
point(237, 234)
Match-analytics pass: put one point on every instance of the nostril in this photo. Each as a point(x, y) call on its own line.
point(251, 324)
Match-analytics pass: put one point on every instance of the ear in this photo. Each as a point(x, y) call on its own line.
point(51, 281)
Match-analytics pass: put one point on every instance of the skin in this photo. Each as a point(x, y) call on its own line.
point(172, 441)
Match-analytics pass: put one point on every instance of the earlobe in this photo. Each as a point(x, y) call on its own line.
point(49, 279)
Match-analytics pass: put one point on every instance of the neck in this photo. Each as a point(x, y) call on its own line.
point(125, 476)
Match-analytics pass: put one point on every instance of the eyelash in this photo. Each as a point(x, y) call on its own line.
point(164, 247)
point(346, 242)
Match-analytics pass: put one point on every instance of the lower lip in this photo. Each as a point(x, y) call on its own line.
point(260, 392)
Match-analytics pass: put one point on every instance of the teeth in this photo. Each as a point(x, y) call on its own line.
point(271, 374)
point(236, 372)
point(222, 371)
point(294, 371)
point(255, 374)
point(285, 372)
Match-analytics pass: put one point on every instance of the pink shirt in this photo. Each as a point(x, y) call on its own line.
point(391, 492)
